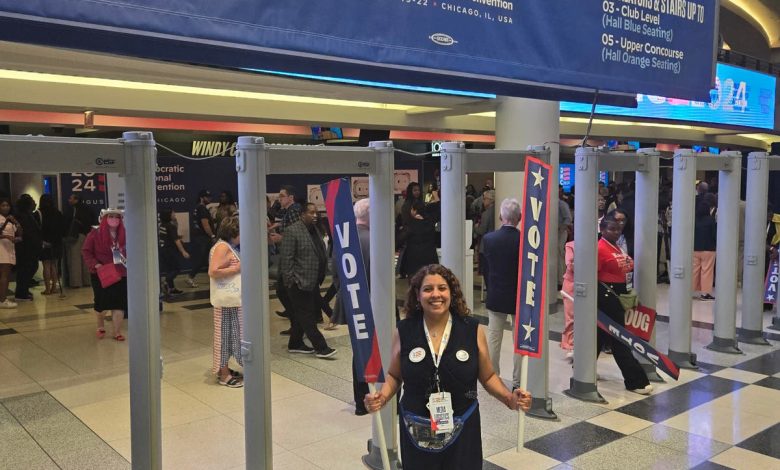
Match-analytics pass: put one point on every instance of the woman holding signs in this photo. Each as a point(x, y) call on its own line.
point(615, 271)
point(439, 353)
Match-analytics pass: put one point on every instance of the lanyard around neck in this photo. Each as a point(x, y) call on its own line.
point(615, 247)
point(443, 345)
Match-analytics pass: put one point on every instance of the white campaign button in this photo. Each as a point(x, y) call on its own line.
point(462, 355)
point(417, 354)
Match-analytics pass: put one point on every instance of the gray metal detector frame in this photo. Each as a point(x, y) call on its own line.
point(134, 156)
point(456, 161)
point(729, 166)
point(254, 161)
point(589, 162)
point(759, 164)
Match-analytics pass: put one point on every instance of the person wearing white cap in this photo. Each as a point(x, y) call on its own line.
point(105, 255)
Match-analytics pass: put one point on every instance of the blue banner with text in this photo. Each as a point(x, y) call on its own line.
point(636, 344)
point(659, 47)
point(532, 266)
point(354, 288)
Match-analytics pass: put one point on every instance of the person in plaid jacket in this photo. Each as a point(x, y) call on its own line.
point(303, 262)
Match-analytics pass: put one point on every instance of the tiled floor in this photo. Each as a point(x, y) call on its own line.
point(64, 401)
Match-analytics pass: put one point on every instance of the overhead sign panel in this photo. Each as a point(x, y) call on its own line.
point(663, 47)
point(740, 97)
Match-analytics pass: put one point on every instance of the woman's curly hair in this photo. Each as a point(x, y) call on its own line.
point(457, 300)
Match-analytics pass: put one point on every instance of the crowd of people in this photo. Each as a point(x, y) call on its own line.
point(32, 235)
point(439, 351)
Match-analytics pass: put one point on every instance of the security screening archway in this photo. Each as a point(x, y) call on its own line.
point(759, 164)
point(456, 161)
point(729, 166)
point(254, 161)
point(134, 156)
point(589, 162)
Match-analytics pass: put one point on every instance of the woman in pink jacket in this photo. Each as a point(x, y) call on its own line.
point(567, 337)
point(105, 245)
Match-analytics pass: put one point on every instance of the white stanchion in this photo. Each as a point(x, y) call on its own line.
point(380, 433)
point(521, 413)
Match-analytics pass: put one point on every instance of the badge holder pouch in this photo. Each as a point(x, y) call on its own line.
point(425, 438)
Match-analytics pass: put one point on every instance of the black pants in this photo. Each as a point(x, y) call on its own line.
point(200, 255)
point(169, 265)
point(325, 299)
point(305, 305)
point(634, 376)
point(26, 266)
point(283, 296)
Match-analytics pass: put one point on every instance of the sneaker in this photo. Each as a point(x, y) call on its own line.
point(25, 298)
point(191, 282)
point(707, 297)
point(643, 391)
point(8, 304)
point(302, 349)
point(325, 353)
point(175, 291)
point(570, 356)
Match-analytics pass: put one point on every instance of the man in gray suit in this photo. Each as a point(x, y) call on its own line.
point(303, 262)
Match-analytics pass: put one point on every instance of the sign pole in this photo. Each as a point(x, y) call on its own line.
point(532, 274)
point(380, 433)
point(521, 413)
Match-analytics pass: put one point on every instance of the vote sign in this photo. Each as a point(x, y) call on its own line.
point(640, 321)
point(770, 285)
point(532, 266)
point(354, 289)
point(636, 344)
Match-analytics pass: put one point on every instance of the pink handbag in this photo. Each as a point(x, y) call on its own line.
point(108, 275)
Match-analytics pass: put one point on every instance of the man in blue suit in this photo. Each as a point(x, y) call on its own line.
point(501, 250)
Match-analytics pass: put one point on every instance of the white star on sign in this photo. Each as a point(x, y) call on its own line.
point(538, 178)
point(528, 330)
point(770, 297)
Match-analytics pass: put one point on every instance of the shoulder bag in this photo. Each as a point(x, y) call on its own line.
point(629, 300)
point(225, 291)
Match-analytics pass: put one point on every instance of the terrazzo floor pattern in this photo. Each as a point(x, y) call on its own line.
point(64, 401)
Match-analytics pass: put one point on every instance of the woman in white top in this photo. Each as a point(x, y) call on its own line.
point(225, 283)
point(8, 234)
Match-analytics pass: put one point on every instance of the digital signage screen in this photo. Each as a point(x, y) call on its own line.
point(741, 97)
point(566, 176)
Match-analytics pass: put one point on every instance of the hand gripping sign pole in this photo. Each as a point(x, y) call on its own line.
point(532, 273)
point(354, 291)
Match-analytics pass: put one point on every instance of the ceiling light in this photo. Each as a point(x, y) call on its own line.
point(159, 87)
point(391, 86)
